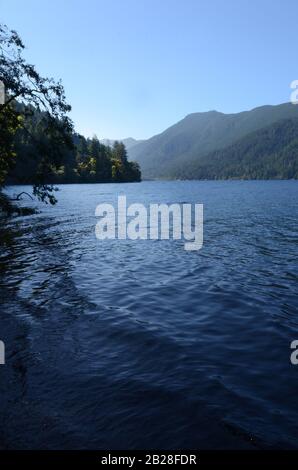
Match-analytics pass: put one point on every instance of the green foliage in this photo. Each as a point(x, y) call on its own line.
point(28, 93)
point(122, 169)
point(9, 123)
point(86, 161)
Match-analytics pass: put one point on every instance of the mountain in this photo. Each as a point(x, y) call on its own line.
point(183, 145)
point(268, 153)
point(129, 142)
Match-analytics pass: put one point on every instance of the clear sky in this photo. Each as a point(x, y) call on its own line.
point(135, 67)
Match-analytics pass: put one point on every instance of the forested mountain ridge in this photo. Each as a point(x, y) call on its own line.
point(268, 153)
point(184, 144)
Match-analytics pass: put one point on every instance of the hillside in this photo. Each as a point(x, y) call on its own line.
point(182, 146)
point(269, 153)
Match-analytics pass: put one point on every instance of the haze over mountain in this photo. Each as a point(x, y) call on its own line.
point(129, 142)
point(179, 151)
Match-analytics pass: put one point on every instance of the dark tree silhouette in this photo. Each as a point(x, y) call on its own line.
point(27, 92)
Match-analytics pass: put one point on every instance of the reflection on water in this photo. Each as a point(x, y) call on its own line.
point(124, 344)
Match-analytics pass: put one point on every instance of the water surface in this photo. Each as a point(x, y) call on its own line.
point(124, 344)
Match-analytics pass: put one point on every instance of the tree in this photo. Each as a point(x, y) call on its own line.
point(36, 94)
point(122, 169)
point(119, 152)
point(9, 123)
point(103, 166)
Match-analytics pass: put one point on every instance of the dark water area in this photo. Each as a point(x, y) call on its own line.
point(122, 344)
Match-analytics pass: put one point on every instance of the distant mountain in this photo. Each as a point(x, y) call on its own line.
point(177, 151)
point(129, 142)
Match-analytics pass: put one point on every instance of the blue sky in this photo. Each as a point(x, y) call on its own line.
point(135, 67)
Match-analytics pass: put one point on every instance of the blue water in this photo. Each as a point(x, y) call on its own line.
point(129, 345)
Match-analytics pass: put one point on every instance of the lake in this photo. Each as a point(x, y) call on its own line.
point(122, 344)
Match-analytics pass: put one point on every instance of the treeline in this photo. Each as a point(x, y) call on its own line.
point(268, 153)
point(84, 161)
